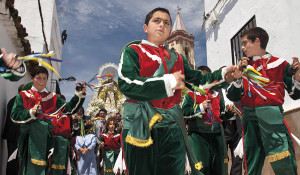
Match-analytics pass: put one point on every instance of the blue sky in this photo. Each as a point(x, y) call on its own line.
point(98, 29)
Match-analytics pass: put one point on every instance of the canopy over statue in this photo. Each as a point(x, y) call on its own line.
point(108, 96)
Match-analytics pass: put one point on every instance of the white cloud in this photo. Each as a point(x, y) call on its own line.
point(106, 15)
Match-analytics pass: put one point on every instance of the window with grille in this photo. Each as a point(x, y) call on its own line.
point(236, 43)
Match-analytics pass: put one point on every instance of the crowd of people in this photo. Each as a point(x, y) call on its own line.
point(159, 133)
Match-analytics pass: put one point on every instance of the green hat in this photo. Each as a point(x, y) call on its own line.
point(27, 86)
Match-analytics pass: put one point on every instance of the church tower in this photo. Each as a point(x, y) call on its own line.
point(180, 41)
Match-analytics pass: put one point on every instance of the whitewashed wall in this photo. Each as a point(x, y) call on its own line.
point(31, 20)
point(28, 10)
point(279, 18)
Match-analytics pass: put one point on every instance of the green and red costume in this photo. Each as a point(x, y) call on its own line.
point(265, 131)
point(154, 137)
point(111, 151)
point(206, 133)
point(35, 139)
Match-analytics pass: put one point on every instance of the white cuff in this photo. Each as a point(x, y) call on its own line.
point(31, 114)
point(169, 80)
point(80, 95)
point(224, 72)
point(21, 71)
point(296, 83)
point(202, 110)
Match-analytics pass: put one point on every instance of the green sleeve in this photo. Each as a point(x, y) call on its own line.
point(235, 93)
point(196, 77)
point(19, 114)
point(293, 91)
point(13, 75)
point(188, 105)
point(134, 86)
point(72, 106)
point(222, 103)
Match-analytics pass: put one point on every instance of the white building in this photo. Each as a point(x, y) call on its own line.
point(39, 23)
point(225, 19)
point(21, 32)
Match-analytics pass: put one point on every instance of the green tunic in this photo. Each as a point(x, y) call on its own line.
point(265, 132)
point(35, 141)
point(208, 145)
point(167, 153)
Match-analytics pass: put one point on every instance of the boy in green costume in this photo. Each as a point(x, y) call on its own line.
point(151, 77)
point(206, 134)
point(265, 131)
point(34, 109)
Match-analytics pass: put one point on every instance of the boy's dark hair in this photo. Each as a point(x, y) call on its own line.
point(108, 121)
point(81, 109)
point(150, 14)
point(39, 70)
point(204, 68)
point(104, 110)
point(20, 88)
point(257, 32)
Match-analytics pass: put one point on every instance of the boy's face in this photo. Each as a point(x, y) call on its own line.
point(251, 48)
point(102, 114)
point(39, 81)
point(159, 28)
point(111, 126)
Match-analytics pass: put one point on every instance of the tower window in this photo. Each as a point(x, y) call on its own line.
point(186, 52)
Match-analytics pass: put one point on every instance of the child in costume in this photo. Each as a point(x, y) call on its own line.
point(206, 134)
point(62, 157)
point(34, 109)
point(10, 67)
point(110, 141)
point(265, 131)
point(99, 125)
point(151, 77)
point(86, 144)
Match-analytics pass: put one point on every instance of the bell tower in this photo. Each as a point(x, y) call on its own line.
point(180, 41)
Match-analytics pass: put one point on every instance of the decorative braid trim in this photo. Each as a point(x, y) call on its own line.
point(226, 160)
point(97, 118)
point(278, 156)
point(138, 142)
point(108, 171)
point(58, 167)
point(156, 117)
point(198, 166)
point(38, 162)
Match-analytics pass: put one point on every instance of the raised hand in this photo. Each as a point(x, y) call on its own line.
point(35, 108)
point(204, 104)
point(11, 60)
point(295, 65)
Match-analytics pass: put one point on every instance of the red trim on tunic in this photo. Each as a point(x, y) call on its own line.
point(276, 80)
point(214, 104)
point(245, 162)
point(47, 105)
point(149, 66)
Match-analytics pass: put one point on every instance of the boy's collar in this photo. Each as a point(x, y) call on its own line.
point(259, 57)
point(149, 43)
point(35, 89)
